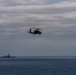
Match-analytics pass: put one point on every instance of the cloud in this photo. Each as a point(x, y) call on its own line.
point(21, 2)
point(30, 1)
point(57, 21)
point(65, 4)
point(60, 14)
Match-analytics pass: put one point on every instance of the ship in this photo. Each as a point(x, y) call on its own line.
point(7, 56)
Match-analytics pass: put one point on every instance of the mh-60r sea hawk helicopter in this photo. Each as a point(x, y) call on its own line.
point(35, 31)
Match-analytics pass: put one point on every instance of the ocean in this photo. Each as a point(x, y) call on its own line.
point(37, 66)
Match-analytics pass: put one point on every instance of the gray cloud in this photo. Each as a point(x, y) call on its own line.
point(21, 2)
point(57, 21)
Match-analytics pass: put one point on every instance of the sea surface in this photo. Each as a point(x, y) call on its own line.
point(38, 66)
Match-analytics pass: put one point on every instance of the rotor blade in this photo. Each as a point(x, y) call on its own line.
point(36, 28)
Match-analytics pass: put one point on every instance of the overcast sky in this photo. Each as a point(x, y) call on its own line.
point(56, 18)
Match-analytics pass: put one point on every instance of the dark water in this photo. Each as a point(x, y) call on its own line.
point(24, 66)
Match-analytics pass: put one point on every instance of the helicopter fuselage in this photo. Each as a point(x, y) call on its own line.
point(35, 32)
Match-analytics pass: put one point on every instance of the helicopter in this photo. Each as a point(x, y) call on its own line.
point(35, 31)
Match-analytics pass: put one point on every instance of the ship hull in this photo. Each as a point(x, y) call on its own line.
point(8, 57)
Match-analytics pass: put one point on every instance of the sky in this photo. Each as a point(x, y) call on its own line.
point(56, 18)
